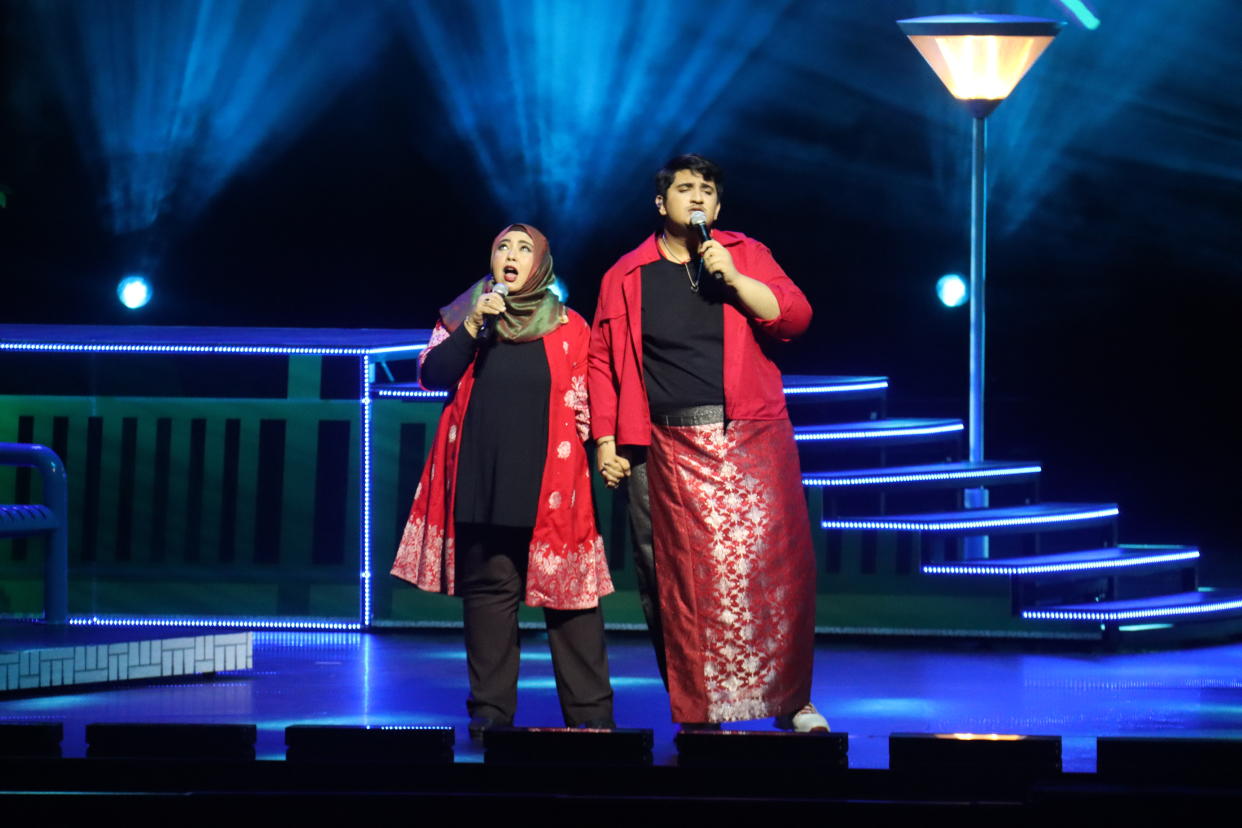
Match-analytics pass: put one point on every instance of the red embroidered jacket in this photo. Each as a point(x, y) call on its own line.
point(752, 382)
point(567, 567)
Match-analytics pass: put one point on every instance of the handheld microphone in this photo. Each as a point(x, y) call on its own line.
point(488, 329)
point(699, 219)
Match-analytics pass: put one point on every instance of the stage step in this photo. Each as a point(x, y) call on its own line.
point(802, 386)
point(1205, 604)
point(1008, 520)
point(887, 432)
point(1128, 558)
point(932, 476)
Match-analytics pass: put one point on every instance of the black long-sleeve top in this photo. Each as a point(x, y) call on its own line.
point(504, 435)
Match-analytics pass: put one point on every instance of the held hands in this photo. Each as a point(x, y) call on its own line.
point(718, 259)
point(612, 466)
point(489, 304)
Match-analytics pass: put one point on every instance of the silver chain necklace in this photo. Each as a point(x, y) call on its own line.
point(694, 282)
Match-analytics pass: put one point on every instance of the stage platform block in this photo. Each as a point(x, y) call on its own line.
point(63, 659)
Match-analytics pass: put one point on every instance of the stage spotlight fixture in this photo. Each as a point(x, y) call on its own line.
point(986, 759)
point(1160, 761)
point(561, 746)
point(952, 290)
point(170, 741)
point(363, 743)
point(134, 291)
point(980, 58)
point(741, 748)
point(28, 740)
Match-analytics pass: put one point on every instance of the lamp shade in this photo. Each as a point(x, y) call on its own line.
point(980, 57)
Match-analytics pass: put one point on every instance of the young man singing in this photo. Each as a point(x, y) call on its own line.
point(688, 410)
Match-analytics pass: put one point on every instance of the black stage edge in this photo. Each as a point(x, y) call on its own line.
point(148, 790)
point(350, 743)
point(766, 750)
point(119, 740)
point(31, 739)
point(550, 747)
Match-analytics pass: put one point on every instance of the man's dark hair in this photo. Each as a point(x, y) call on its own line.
point(693, 163)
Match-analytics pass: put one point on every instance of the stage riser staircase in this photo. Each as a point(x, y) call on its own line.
point(898, 485)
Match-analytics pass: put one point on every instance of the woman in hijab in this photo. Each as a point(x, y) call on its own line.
point(503, 509)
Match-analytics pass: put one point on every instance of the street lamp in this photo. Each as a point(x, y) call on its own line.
point(980, 58)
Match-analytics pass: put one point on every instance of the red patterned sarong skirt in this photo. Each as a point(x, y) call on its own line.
point(735, 568)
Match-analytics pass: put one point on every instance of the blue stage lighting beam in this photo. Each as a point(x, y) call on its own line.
point(564, 102)
point(172, 97)
point(1096, 104)
point(1110, 97)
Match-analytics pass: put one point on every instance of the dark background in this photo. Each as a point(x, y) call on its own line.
point(1114, 290)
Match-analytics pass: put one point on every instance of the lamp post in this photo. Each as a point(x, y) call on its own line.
point(980, 58)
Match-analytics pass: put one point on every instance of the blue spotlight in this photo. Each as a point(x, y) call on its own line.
point(560, 289)
point(952, 290)
point(134, 291)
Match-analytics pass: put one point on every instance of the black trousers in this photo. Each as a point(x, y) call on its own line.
point(491, 580)
point(639, 506)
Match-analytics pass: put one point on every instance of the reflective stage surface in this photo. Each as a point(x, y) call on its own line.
point(868, 689)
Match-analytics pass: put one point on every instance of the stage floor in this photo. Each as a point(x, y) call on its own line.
point(868, 689)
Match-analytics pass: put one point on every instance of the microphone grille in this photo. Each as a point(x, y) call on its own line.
point(501, 288)
point(698, 217)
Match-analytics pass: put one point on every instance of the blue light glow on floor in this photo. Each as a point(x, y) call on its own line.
point(868, 690)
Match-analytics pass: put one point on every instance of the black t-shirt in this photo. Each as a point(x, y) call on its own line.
point(683, 337)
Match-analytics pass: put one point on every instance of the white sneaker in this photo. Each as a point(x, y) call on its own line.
point(806, 720)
